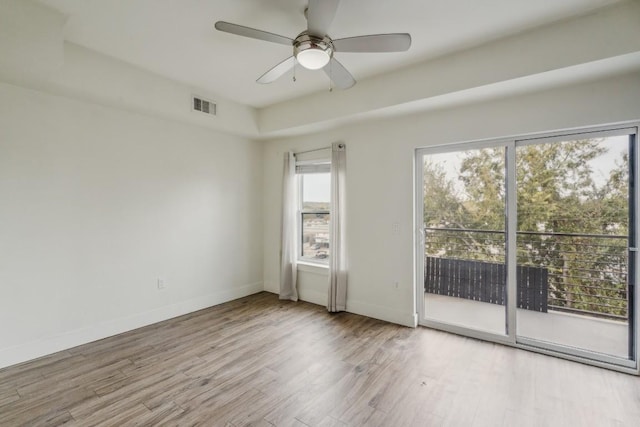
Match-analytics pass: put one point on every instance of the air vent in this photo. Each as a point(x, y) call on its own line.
point(203, 105)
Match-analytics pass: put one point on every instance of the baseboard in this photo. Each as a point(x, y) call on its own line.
point(363, 309)
point(35, 349)
point(314, 297)
point(382, 313)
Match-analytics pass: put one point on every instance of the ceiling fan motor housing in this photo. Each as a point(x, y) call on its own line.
point(312, 52)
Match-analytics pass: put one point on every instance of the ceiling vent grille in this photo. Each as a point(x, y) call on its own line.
point(203, 105)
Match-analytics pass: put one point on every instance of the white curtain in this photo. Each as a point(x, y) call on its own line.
point(288, 267)
point(337, 252)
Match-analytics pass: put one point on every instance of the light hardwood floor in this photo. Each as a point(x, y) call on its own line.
point(259, 361)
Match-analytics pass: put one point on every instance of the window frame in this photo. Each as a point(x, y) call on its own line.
point(307, 168)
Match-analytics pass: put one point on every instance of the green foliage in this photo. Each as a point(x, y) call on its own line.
point(441, 203)
point(566, 216)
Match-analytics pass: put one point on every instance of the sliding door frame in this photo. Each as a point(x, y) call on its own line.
point(591, 134)
point(510, 337)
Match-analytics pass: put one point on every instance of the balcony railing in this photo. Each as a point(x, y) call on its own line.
point(578, 273)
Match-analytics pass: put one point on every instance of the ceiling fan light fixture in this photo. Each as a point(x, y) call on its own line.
point(311, 52)
point(313, 59)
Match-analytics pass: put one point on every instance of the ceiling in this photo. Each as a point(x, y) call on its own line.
point(176, 38)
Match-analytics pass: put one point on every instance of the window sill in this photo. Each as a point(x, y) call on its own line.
point(310, 267)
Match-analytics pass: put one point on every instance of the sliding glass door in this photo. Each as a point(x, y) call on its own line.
point(464, 238)
point(574, 209)
point(532, 242)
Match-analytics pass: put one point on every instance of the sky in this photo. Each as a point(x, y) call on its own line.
point(317, 187)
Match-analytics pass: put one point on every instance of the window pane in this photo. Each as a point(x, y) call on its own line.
point(573, 227)
point(315, 236)
point(316, 188)
point(465, 276)
point(315, 195)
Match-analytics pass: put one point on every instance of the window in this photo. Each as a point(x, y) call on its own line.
point(314, 183)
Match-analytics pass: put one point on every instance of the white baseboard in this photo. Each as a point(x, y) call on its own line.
point(32, 350)
point(383, 313)
point(363, 309)
point(314, 297)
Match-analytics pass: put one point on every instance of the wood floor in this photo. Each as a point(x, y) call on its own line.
point(262, 362)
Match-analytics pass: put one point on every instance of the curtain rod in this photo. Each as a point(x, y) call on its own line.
point(312, 151)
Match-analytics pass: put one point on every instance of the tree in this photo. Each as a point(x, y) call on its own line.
point(562, 211)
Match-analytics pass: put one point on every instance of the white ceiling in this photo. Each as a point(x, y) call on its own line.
point(176, 38)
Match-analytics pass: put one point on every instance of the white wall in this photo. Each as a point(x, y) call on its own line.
point(97, 203)
point(380, 158)
point(34, 54)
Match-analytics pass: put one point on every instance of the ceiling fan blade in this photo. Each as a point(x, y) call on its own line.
point(339, 75)
point(276, 72)
point(241, 30)
point(320, 16)
point(374, 43)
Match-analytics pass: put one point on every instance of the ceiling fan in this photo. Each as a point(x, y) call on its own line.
point(314, 49)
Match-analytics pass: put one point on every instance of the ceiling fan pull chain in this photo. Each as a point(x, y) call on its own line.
point(295, 61)
point(330, 77)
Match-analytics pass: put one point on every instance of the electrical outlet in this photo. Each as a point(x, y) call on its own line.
point(395, 228)
point(161, 284)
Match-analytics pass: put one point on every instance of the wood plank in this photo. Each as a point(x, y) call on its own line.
point(44, 408)
point(8, 396)
point(86, 374)
point(259, 361)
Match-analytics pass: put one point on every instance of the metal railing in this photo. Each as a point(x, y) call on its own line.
point(586, 273)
